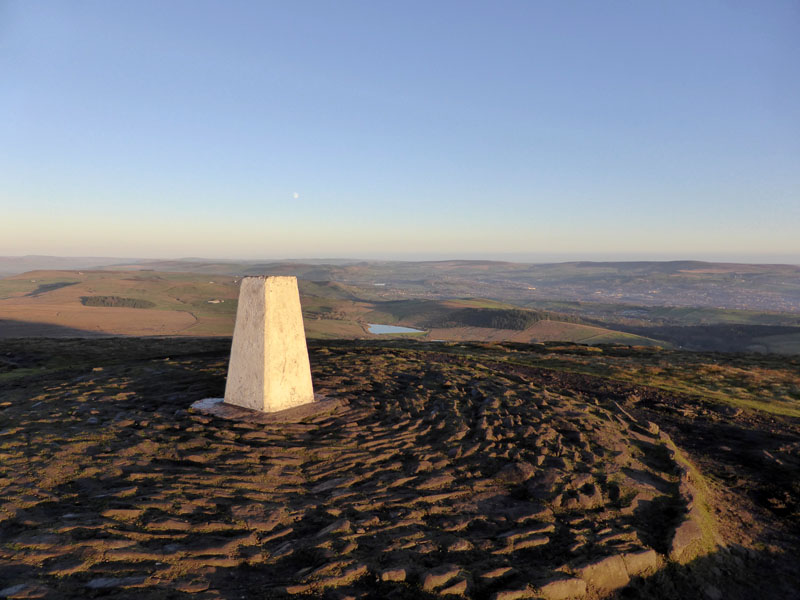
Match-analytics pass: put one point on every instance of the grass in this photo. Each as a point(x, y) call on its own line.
point(769, 384)
point(780, 344)
point(205, 304)
point(702, 502)
point(15, 287)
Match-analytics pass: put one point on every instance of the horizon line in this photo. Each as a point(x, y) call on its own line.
point(511, 257)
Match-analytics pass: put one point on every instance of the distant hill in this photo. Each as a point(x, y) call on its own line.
point(649, 283)
point(690, 304)
point(13, 265)
point(105, 302)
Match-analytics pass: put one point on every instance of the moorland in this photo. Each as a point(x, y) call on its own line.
point(691, 305)
point(534, 439)
point(484, 470)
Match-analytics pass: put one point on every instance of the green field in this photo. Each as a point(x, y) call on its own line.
point(111, 302)
point(114, 302)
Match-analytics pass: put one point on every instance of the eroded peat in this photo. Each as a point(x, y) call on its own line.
point(446, 471)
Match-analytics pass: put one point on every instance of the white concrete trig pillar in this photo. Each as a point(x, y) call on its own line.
point(269, 368)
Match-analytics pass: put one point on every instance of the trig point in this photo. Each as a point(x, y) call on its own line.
point(269, 368)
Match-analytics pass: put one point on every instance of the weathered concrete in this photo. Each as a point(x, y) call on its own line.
point(269, 369)
point(321, 408)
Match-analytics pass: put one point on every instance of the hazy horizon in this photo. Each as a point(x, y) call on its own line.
point(373, 130)
point(422, 257)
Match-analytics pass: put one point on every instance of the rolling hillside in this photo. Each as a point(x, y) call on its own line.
point(95, 303)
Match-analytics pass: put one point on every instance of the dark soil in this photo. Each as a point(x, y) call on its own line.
point(444, 469)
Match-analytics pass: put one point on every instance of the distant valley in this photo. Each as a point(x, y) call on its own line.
point(694, 305)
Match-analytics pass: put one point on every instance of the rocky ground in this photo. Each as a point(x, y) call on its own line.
point(433, 470)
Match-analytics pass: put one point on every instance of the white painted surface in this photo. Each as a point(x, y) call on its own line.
point(207, 403)
point(269, 368)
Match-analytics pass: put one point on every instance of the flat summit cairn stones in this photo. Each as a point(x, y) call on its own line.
point(269, 369)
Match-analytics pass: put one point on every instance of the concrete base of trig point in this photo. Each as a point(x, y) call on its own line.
point(269, 369)
point(321, 409)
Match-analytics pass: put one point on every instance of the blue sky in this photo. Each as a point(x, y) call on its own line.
point(401, 129)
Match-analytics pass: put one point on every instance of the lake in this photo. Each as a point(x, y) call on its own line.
point(376, 328)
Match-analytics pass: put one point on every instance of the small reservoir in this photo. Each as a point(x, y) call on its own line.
point(380, 329)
